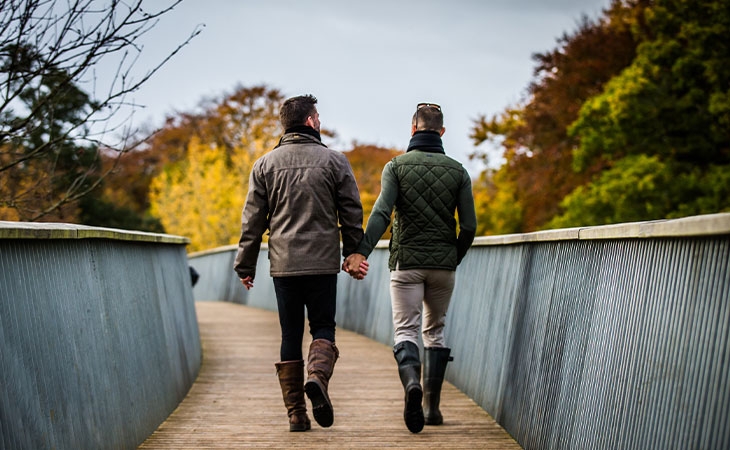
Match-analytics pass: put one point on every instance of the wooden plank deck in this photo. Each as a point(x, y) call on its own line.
point(236, 400)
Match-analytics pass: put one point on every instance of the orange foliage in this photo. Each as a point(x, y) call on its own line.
point(367, 163)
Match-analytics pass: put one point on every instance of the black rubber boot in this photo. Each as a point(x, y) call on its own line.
point(435, 360)
point(409, 368)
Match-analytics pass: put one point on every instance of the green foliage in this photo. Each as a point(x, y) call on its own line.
point(703, 191)
point(632, 190)
point(533, 138)
point(626, 121)
point(44, 167)
point(55, 137)
point(643, 187)
point(673, 99)
point(662, 124)
point(100, 213)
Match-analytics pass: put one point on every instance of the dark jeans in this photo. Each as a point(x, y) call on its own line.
point(318, 294)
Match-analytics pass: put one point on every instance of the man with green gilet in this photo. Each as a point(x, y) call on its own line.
point(426, 188)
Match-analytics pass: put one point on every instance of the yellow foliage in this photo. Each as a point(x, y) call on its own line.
point(10, 214)
point(201, 196)
point(497, 206)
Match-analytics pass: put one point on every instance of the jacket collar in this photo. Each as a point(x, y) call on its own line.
point(298, 138)
point(304, 129)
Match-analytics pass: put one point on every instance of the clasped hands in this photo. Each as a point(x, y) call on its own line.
point(356, 265)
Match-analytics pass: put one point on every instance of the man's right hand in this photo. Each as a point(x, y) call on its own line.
point(247, 282)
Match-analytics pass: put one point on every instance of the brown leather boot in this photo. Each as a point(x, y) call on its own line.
point(321, 364)
point(291, 379)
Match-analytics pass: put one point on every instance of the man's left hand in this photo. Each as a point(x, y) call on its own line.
point(356, 265)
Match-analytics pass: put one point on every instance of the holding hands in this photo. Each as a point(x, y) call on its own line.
point(356, 265)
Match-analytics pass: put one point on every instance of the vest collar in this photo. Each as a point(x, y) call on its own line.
point(426, 141)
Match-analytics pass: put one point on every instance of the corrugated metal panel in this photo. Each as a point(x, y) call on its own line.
point(99, 341)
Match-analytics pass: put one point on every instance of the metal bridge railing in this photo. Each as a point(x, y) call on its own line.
point(612, 337)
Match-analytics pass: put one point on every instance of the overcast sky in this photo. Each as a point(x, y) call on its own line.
point(368, 62)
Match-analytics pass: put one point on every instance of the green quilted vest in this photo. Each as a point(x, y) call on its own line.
point(424, 227)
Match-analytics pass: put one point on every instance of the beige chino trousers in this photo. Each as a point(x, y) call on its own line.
point(421, 292)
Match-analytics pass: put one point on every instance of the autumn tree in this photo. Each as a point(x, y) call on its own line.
point(201, 196)
point(367, 163)
point(193, 174)
point(498, 211)
point(58, 117)
point(661, 126)
point(203, 161)
point(122, 199)
point(41, 178)
point(525, 193)
point(229, 121)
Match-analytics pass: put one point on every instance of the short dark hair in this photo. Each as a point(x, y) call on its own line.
point(295, 110)
point(428, 118)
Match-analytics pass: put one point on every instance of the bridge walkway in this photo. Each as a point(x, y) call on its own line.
point(236, 401)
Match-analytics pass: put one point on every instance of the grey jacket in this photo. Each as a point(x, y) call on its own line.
point(300, 191)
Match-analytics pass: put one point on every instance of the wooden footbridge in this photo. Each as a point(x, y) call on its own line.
point(587, 338)
point(236, 401)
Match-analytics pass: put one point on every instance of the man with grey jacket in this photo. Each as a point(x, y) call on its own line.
point(426, 188)
point(306, 195)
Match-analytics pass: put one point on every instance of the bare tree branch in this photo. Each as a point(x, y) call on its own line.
point(48, 50)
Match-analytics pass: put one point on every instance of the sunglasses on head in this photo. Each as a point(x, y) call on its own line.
point(432, 105)
point(425, 105)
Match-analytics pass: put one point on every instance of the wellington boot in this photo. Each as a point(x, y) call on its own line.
point(320, 365)
point(435, 360)
point(409, 370)
point(291, 379)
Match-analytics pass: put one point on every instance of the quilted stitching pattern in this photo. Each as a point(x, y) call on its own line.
point(424, 230)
